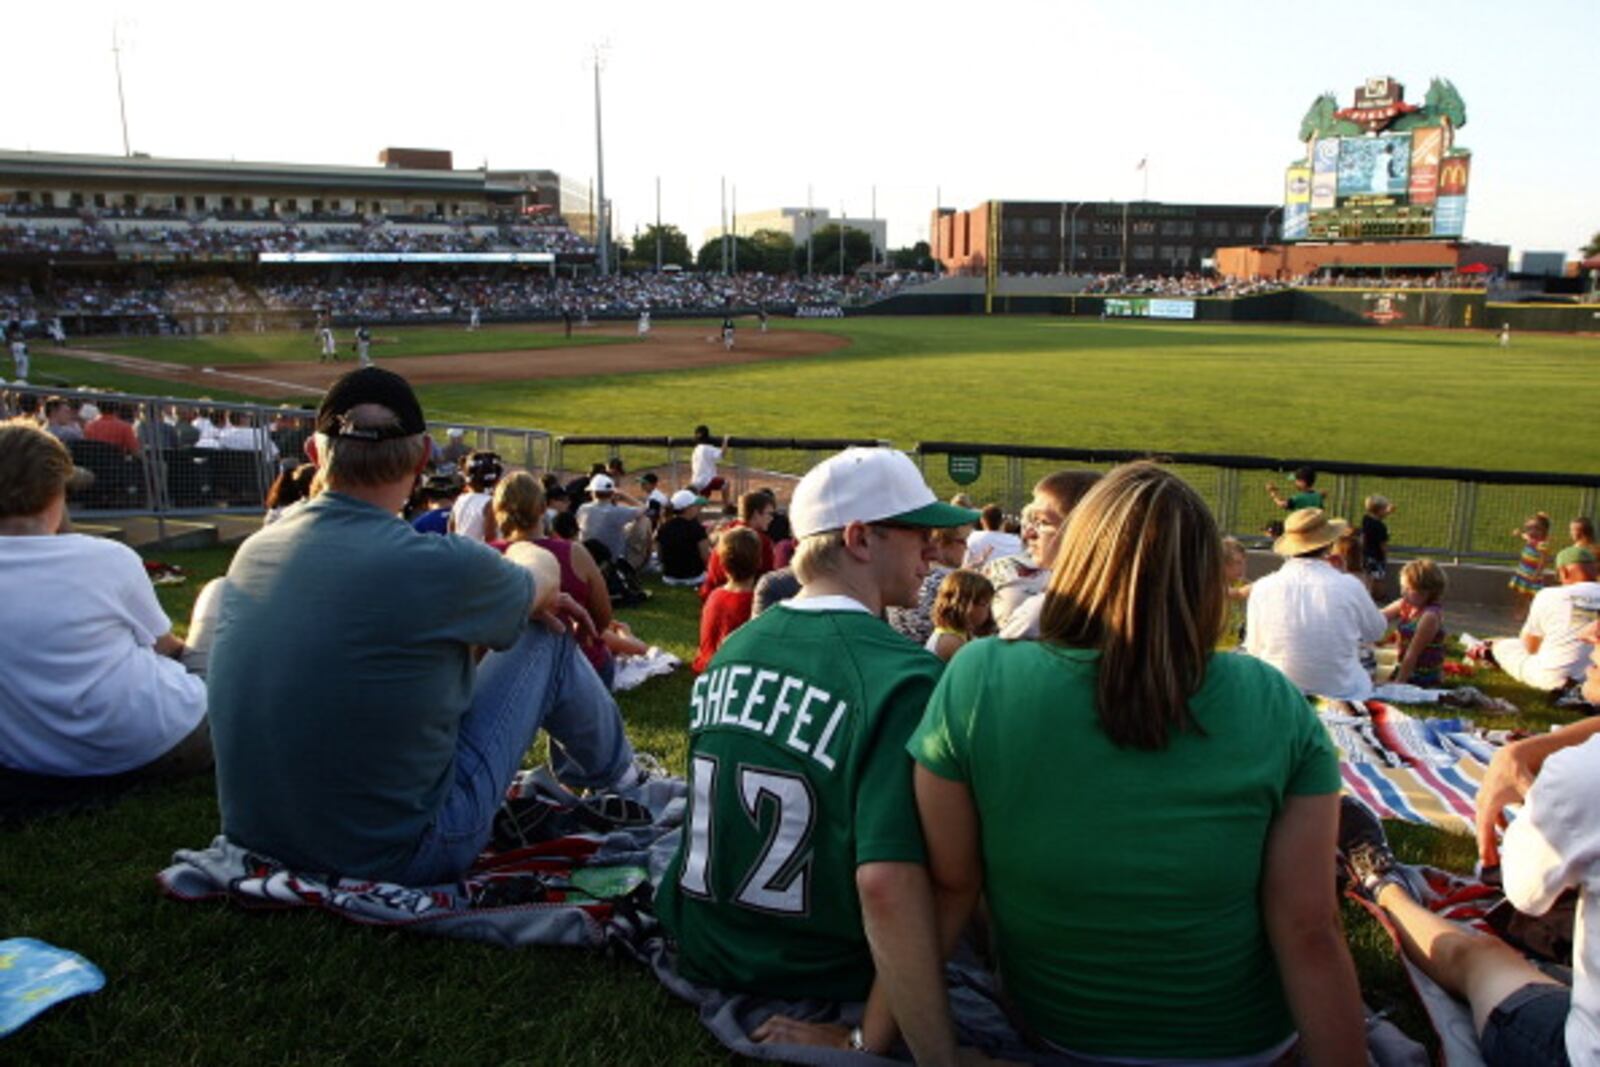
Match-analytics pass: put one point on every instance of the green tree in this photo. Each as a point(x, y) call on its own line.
point(825, 253)
point(1593, 247)
point(748, 257)
point(674, 249)
point(918, 257)
point(773, 252)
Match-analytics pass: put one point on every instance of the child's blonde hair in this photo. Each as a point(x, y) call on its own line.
point(959, 591)
point(1232, 549)
point(1539, 520)
point(1378, 506)
point(1426, 577)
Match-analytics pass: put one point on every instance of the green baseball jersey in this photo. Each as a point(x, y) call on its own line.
point(1307, 498)
point(798, 774)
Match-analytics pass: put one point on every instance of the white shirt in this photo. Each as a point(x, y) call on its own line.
point(247, 439)
point(83, 691)
point(986, 545)
point(703, 465)
point(1553, 845)
point(1557, 615)
point(1308, 620)
point(467, 514)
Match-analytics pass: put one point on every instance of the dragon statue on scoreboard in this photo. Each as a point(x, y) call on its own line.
point(1442, 106)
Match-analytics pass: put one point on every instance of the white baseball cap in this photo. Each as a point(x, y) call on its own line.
point(868, 485)
point(602, 483)
point(455, 431)
point(686, 498)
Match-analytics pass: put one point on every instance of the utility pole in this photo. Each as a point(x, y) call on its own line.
point(122, 103)
point(658, 224)
point(734, 240)
point(811, 225)
point(723, 211)
point(875, 228)
point(842, 217)
point(600, 173)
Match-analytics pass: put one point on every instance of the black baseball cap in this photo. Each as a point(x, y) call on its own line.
point(371, 385)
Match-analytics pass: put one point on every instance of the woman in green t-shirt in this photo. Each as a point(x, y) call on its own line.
point(1152, 824)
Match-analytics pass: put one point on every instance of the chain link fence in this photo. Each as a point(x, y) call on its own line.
point(748, 463)
point(1456, 513)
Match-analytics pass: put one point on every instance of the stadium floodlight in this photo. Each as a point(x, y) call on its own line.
point(604, 223)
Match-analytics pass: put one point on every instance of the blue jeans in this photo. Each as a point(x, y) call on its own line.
point(542, 680)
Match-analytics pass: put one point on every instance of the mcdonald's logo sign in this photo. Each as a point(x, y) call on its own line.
point(1453, 175)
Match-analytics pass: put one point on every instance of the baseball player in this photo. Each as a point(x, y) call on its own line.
point(19, 356)
point(644, 323)
point(364, 345)
point(761, 313)
point(727, 333)
point(472, 319)
point(330, 348)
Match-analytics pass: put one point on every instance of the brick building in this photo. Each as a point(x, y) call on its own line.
point(1093, 237)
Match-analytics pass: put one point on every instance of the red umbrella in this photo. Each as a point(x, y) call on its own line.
point(1474, 268)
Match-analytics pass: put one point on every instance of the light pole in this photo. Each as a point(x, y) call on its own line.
point(1072, 263)
point(811, 224)
point(600, 173)
point(841, 238)
point(658, 224)
point(1266, 225)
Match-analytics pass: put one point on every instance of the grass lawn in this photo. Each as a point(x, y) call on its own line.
point(301, 346)
point(209, 983)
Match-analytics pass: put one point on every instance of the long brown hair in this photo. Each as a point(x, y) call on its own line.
point(1138, 576)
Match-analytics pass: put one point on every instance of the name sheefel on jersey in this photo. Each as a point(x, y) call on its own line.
point(760, 700)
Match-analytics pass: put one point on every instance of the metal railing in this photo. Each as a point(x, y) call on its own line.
point(1459, 513)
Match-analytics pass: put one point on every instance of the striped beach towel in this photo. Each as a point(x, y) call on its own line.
point(1424, 771)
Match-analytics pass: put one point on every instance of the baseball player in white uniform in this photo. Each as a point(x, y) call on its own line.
point(644, 323)
point(472, 318)
point(364, 345)
point(330, 347)
point(19, 357)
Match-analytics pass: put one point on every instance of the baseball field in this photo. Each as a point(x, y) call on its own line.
point(1436, 397)
point(209, 983)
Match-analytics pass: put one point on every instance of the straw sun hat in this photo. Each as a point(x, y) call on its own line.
point(1307, 530)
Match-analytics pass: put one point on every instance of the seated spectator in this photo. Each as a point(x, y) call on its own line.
point(61, 420)
point(384, 753)
point(289, 488)
point(439, 493)
point(606, 518)
point(110, 427)
point(455, 450)
point(472, 515)
point(1520, 1014)
point(1419, 623)
point(92, 691)
point(564, 524)
point(703, 477)
point(682, 543)
point(1549, 654)
point(1019, 580)
point(963, 610)
point(990, 540)
point(1309, 620)
point(729, 606)
point(840, 692)
point(756, 509)
point(519, 514)
point(774, 587)
point(1234, 562)
point(1214, 798)
point(949, 549)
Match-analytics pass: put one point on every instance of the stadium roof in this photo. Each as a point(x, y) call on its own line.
point(166, 172)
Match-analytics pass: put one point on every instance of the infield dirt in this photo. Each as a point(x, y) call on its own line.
point(667, 348)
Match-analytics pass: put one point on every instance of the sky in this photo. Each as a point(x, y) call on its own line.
point(921, 103)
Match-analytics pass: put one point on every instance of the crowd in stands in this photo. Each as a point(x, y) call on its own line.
point(1197, 284)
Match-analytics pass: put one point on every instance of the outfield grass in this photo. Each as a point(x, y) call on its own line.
point(210, 983)
point(302, 346)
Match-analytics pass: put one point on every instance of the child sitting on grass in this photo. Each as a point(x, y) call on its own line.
point(964, 609)
point(729, 605)
point(1419, 622)
point(1528, 578)
point(1233, 564)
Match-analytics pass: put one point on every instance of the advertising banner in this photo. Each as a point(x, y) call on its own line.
point(1427, 145)
point(1453, 174)
point(1117, 307)
point(1324, 173)
point(1296, 221)
point(1374, 166)
point(1172, 309)
point(1450, 216)
point(1297, 185)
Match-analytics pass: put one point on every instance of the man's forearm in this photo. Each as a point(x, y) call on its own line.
point(897, 911)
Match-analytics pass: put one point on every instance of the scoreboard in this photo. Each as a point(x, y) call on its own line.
point(1386, 183)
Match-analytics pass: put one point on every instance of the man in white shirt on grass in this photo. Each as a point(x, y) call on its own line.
point(1549, 654)
point(1309, 619)
point(703, 476)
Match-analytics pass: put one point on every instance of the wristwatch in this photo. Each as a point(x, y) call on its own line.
point(858, 1040)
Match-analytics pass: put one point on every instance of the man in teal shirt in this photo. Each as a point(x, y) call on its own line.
point(353, 733)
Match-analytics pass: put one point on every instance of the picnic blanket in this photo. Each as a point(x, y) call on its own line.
point(34, 976)
point(569, 884)
point(1424, 771)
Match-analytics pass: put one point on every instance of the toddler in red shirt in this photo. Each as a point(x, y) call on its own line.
point(729, 605)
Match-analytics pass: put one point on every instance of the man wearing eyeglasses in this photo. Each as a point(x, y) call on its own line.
point(802, 843)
